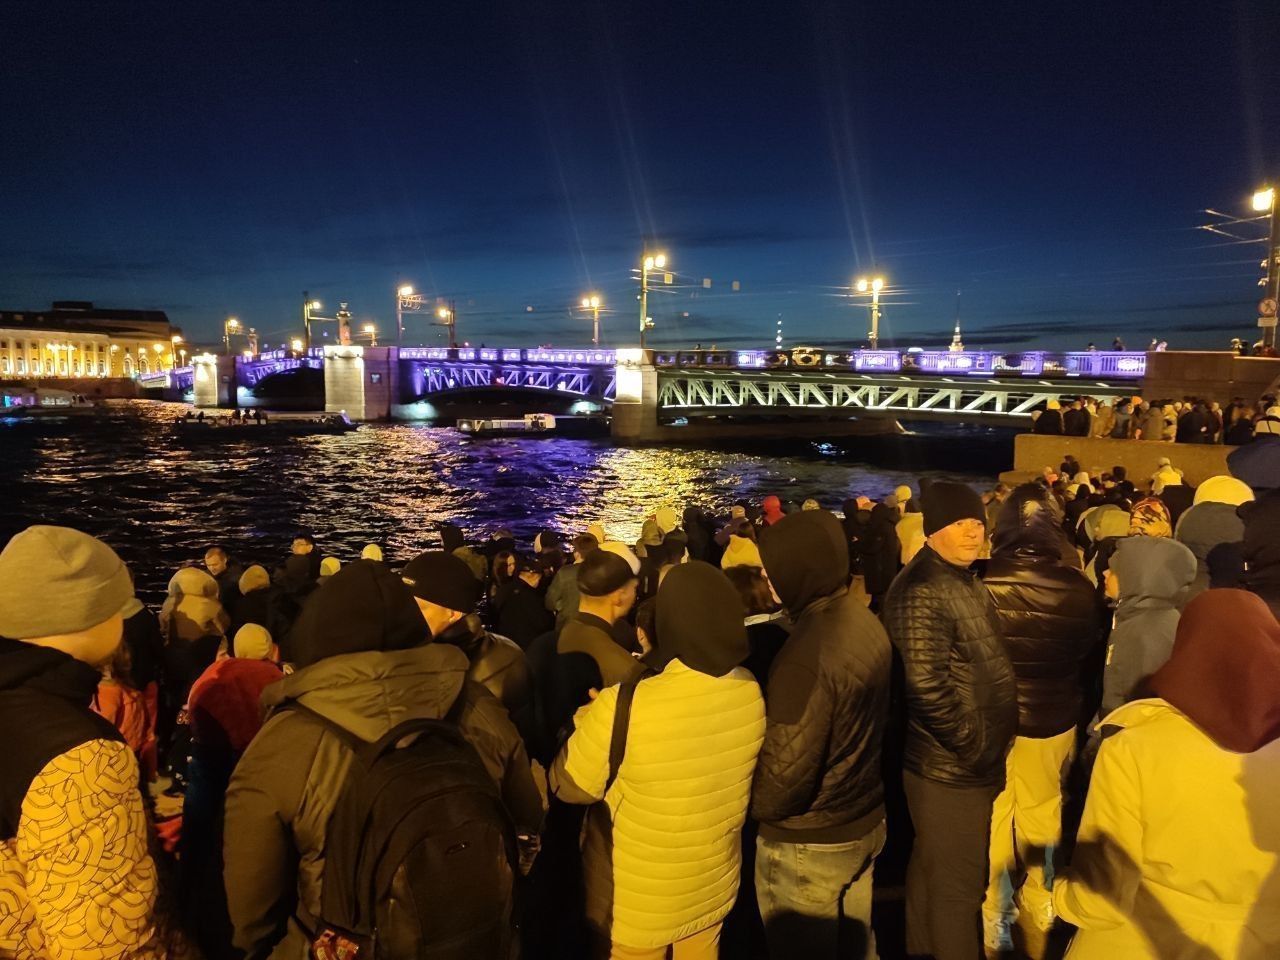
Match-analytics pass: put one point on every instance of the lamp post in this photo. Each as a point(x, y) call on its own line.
point(1264, 201)
point(229, 326)
point(308, 305)
point(297, 344)
point(648, 263)
point(173, 351)
point(449, 318)
point(370, 331)
point(592, 303)
point(875, 285)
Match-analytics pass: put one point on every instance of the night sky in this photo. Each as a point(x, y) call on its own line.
point(1050, 161)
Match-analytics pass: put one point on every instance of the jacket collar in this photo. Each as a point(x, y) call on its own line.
point(50, 671)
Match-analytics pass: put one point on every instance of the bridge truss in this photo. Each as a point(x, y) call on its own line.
point(997, 402)
point(585, 381)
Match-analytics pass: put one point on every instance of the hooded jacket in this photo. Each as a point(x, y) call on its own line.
point(960, 692)
point(192, 609)
point(819, 778)
point(878, 549)
point(1049, 614)
point(669, 864)
point(1176, 854)
point(75, 875)
point(1257, 463)
point(1203, 527)
point(1261, 547)
point(289, 780)
point(499, 666)
point(741, 552)
point(1155, 575)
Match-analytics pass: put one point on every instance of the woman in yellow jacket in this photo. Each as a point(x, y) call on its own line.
point(1178, 855)
point(668, 874)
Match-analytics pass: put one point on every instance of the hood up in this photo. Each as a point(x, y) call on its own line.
point(806, 557)
point(1153, 571)
point(700, 620)
point(1261, 542)
point(1224, 672)
point(1208, 524)
point(451, 537)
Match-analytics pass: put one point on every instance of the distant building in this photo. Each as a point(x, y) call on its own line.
point(76, 339)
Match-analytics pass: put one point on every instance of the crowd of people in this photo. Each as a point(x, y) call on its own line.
point(1064, 695)
point(1165, 421)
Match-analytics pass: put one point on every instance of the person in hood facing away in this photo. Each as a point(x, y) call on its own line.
point(742, 550)
point(676, 809)
point(818, 791)
point(1149, 578)
point(1261, 548)
point(1212, 521)
point(1176, 854)
point(1150, 518)
point(772, 510)
point(365, 662)
point(1050, 621)
point(962, 714)
point(75, 876)
point(447, 595)
point(879, 550)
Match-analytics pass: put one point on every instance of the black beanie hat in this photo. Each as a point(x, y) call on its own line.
point(443, 579)
point(603, 572)
point(362, 607)
point(944, 503)
point(700, 620)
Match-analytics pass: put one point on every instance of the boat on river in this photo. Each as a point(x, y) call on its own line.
point(27, 402)
point(533, 425)
point(232, 429)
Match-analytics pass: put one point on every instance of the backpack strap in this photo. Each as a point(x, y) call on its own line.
point(621, 725)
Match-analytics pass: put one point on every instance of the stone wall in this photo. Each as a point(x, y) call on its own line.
point(1198, 461)
point(1211, 375)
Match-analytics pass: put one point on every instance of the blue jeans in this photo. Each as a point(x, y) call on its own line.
point(815, 898)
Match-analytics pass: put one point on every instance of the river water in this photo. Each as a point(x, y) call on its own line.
point(158, 500)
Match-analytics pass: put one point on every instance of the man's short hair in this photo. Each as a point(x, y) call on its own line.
point(218, 549)
point(584, 544)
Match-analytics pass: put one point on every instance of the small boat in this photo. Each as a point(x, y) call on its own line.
point(534, 425)
point(230, 429)
point(43, 402)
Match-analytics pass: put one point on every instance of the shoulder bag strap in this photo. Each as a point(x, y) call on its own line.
point(621, 724)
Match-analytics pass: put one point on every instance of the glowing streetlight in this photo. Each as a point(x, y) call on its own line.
point(1264, 201)
point(875, 285)
point(297, 344)
point(656, 261)
point(448, 317)
point(229, 326)
point(592, 303)
point(370, 331)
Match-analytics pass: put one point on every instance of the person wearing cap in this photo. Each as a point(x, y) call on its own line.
point(676, 808)
point(962, 714)
point(447, 595)
point(819, 791)
point(608, 585)
point(562, 594)
point(76, 879)
point(1176, 852)
point(365, 662)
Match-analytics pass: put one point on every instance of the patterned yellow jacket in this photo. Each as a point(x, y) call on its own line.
point(77, 883)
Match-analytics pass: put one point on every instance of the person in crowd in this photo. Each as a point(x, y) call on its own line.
point(1165, 466)
point(1152, 423)
point(1149, 579)
point(911, 537)
point(662, 853)
point(328, 567)
point(520, 608)
point(818, 792)
point(447, 595)
point(667, 519)
point(608, 584)
point(699, 533)
point(810, 504)
point(962, 715)
point(1050, 623)
point(1176, 853)
point(1122, 426)
point(259, 602)
point(741, 550)
point(76, 879)
point(454, 541)
point(220, 566)
point(225, 716)
point(879, 551)
point(1069, 467)
point(1257, 463)
point(1260, 548)
point(1050, 419)
point(300, 572)
point(371, 551)
point(129, 707)
point(562, 594)
point(1150, 518)
point(765, 620)
point(771, 508)
point(1104, 421)
point(502, 570)
point(1212, 520)
point(365, 662)
point(1075, 420)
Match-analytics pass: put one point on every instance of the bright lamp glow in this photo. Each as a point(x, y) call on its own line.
point(297, 344)
point(406, 291)
point(648, 263)
point(369, 328)
point(1263, 199)
point(442, 313)
point(660, 261)
point(877, 284)
point(232, 322)
point(315, 305)
point(862, 286)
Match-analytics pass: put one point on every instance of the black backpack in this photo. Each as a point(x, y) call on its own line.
point(420, 854)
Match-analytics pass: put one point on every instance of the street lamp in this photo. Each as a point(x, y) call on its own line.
point(297, 344)
point(173, 351)
point(405, 300)
point(229, 326)
point(309, 305)
point(449, 318)
point(1264, 201)
point(592, 303)
point(875, 285)
point(650, 262)
point(370, 331)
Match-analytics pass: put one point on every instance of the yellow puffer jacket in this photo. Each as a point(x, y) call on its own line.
point(77, 881)
point(677, 806)
point(1179, 850)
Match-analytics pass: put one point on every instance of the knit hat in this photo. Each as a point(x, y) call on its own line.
point(255, 577)
point(903, 493)
point(329, 566)
point(1226, 490)
point(607, 569)
point(1150, 518)
point(193, 582)
point(700, 620)
point(651, 533)
point(945, 503)
point(597, 531)
point(810, 504)
point(741, 552)
point(371, 552)
point(252, 642)
point(363, 607)
point(55, 580)
point(667, 519)
point(443, 579)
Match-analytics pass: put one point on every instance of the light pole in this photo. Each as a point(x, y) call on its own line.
point(309, 305)
point(297, 344)
point(370, 331)
point(229, 326)
point(1264, 201)
point(592, 303)
point(449, 318)
point(173, 351)
point(650, 262)
point(405, 300)
point(875, 285)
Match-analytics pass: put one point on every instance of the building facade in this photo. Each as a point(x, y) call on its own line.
point(75, 339)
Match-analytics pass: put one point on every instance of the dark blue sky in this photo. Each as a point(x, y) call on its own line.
point(1050, 161)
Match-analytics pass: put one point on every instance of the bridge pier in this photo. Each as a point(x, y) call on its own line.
point(214, 381)
point(635, 401)
point(362, 382)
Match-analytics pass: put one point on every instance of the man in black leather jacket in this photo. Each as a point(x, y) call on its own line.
point(1050, 622)
point(961, 718)
point(818, 791)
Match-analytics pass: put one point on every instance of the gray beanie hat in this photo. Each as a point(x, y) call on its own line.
point(55, 580)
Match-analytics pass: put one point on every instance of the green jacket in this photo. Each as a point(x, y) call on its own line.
point(287, 783)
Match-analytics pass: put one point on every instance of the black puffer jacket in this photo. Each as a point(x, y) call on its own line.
point(959, 688)
point(1049, 614)
point(818, 778)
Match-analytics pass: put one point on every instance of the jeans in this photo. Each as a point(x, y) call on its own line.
point(947, 875)
point(815, 898)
